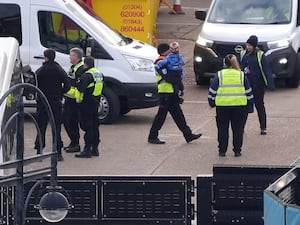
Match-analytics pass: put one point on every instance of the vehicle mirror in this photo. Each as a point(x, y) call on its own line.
point(200, 15)
point(29, 77)
point(96, 50)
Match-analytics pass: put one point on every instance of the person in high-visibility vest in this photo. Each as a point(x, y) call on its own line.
point(256, 68)
point(71, 110)
point(52, 80)
point(231, 94)
point(88, 94)
point(169, 102)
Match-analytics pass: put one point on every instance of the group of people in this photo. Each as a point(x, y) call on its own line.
point(233, 92)
point(81, 89)
point(235, 89)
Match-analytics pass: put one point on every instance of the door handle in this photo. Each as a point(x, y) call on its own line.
point(38, 57)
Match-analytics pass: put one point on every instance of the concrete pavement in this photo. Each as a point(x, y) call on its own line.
point(124, 147)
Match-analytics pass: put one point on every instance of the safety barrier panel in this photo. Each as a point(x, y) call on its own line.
point(232, 194)
point(121, 200)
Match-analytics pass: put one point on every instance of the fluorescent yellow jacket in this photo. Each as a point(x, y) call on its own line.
point(71, 75)
point(97, 84)
point(231, 90)
point(162, 85)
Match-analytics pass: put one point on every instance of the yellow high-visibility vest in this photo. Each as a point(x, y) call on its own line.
point(231, 90)
point(71, 75)
point(97, 84)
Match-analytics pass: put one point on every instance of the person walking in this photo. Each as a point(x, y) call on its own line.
point(255, 66)
point(71, 109)
point(231, 94)
point(89, 88)
point(169, 102)
point(52, 80)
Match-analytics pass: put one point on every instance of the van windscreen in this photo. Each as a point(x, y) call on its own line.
point(251, 12)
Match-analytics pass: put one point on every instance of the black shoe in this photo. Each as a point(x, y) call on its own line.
point(73, 149)
point(95, 152)
point(71, 145)
point(60, 158)
point(237, 154)
point(192, 137)
point(156, 141)
point(263, 131)
point(84, 154)
point(222, 154)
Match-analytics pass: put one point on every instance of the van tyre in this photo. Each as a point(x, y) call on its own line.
point(293, 82)
point(109, 107)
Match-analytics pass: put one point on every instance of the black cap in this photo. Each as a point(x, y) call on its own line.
point(163, 47)
point(252, 40)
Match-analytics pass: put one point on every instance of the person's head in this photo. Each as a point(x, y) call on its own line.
point(230, 61)
point(251, 43)
point(174, 47)
point(163, 49)
point(89, 62)
point(76, 55)
point(49, 55)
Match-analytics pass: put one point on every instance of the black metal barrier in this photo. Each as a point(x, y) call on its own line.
point(124, 200)
point(234, 194)
point(231, 195)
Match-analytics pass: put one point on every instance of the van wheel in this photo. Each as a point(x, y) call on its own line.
point(293, 82)
point(109, 107)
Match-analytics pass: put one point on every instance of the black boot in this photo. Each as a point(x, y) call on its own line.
point(86, 153)
point(95, 151)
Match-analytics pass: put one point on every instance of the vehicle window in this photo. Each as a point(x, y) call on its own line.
point(251, 12)
point(59, 32)
point(10, 21)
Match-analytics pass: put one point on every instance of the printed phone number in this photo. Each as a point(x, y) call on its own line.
point(132, 14)
point(132, 29)
point(132, 7)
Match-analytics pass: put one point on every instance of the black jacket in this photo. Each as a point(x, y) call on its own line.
point(52, 80)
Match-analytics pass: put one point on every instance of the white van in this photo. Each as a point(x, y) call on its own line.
point(228, 24)
point(127, 64)
point(10, 74)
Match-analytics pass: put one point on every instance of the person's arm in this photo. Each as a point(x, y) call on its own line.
point(249, 95)
point(65, 81)
point(248, 90)
point(161, 63)
point(268, 73)
point(83, 82)
point(212, 91)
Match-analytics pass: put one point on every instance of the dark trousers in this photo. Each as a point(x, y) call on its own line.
point(169, 103)
point(42, 121)
point(260, 107)
point(71, 120)
point(236, 116)
point(89, 123)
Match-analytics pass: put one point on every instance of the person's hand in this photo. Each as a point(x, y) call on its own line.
point(181, 99)
point(271, 88)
